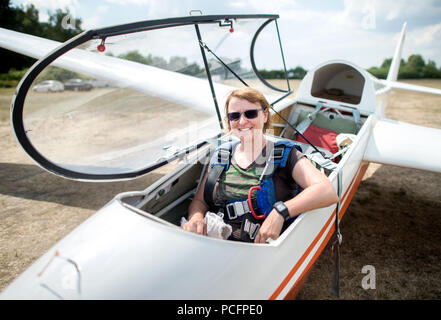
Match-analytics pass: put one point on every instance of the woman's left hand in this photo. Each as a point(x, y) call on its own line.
point(270, 228)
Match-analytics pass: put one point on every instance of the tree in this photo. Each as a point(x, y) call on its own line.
point(177, 63)
point(61, 26)
point(380, 73)
point(430, 70)
point(55, 73)
point(11, 18)
point(413, 69)
point(416, 61)
point(297, 73)
point(26, 20)
point(135, 56)
point(387, 62)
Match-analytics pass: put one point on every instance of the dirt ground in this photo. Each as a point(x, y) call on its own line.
point(392, 223)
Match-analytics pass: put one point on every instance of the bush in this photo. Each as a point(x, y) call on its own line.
point(8, 83)
point(380, 73)
point(12, 78)
point(414, 68)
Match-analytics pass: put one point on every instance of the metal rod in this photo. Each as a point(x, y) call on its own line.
point(223, 63)
point(295, 129)
point(283, 57)
point(213, 93)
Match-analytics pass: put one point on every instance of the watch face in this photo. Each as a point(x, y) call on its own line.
point(282, 209)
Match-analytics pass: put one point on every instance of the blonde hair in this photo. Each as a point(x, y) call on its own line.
point(253, 96)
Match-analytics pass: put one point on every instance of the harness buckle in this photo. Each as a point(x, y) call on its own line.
point(251, 228)
point(223, 156)
point(278, 153)
point(237, 209)
point(230, 211)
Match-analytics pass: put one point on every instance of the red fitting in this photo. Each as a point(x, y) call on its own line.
point(101, 47)
point(250, 204)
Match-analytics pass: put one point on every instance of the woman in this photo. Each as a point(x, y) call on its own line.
point(247, 117)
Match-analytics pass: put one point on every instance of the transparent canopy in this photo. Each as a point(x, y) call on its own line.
point(118, 102)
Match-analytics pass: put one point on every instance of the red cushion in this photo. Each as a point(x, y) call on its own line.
point(320, 138)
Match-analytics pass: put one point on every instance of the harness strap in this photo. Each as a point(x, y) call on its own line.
point(237, 209)
point(302, 126)
point(219, 163)
point(357, 120)
point(210, 183)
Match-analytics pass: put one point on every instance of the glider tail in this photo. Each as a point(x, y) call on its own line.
point(392, 76)
point(396, 61)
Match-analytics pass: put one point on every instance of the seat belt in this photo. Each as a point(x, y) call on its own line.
point(221, 163)
point(357, 120)
point(302, 126)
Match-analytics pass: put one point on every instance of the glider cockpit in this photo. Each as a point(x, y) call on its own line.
point(153, 92)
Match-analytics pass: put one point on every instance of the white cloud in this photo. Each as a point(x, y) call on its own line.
point(238, 4)
point(363, 31)
point(130, 2)
point(424, 41)
point(90, 22)
point(102, 9)
point(94, 21)
point(426, 36)
point(52, 4)
point(311, 37)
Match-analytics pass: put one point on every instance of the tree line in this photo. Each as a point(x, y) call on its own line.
point(414, 68)
point(26, 19)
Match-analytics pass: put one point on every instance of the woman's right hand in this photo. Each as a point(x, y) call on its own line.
point(196, 224)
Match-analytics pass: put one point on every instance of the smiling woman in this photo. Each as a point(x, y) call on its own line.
point(253, 166)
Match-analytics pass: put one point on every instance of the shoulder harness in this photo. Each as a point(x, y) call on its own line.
point(265, 197)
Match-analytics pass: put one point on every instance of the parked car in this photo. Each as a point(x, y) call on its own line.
point(77, 85)
point(49, 86)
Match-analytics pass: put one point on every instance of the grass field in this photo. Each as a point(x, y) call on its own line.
point(392, 223)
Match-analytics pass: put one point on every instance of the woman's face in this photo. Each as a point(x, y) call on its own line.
point(245, 128)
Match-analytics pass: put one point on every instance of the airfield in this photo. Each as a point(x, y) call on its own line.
point(392, 223)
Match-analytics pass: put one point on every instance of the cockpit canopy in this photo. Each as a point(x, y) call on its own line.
point(145, 92)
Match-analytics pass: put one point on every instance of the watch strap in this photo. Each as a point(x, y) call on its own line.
point(282, 209)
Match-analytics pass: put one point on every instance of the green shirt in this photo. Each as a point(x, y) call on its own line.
point(235, 183)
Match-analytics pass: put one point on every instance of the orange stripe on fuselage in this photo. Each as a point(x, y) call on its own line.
point(351, 190)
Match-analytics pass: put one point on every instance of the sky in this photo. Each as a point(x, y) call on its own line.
point(364, 32)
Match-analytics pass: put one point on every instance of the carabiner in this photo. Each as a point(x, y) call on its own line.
point(250, 204)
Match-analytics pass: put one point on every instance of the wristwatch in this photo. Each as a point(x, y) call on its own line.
point(282, 209)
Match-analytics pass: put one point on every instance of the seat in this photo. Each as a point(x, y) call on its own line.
point(321, 127)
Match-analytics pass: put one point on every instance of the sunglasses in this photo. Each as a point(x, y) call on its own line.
point(249, 114)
